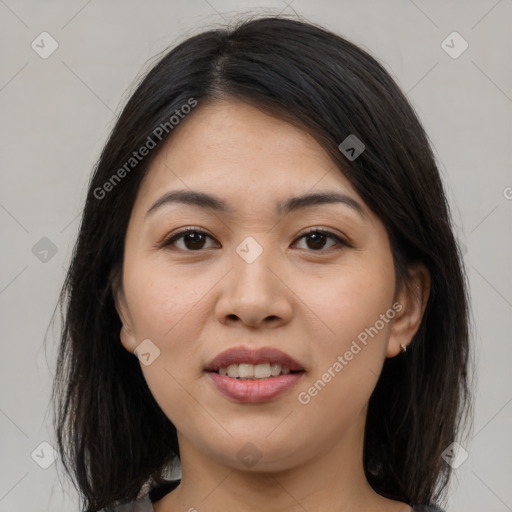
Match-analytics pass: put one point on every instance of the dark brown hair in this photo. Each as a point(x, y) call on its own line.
point(111, 433)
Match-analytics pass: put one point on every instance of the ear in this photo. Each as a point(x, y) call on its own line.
point(412, 297)
point(127, 336)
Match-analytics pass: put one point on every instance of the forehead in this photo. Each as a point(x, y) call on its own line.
point(238, 152)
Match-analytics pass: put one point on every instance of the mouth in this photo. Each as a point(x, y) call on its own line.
point(255, 371)
point(254, 375)
point(253, 363)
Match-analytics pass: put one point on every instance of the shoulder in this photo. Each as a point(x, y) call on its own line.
point(144, 503)
point(141, 505)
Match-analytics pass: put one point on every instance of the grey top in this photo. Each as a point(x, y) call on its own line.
point(145, 505)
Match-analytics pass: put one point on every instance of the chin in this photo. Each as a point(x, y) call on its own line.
point(258, 453)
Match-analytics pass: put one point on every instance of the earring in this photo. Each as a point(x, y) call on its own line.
point(403, 348)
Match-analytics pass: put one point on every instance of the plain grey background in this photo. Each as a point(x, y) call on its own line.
point(57, 112)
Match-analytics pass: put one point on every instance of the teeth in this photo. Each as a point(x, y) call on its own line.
point(275, 369)
point(233, 370)
point(246, 371)
point(262, 371)
point(253, 371)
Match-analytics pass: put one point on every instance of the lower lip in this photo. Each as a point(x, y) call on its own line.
point(254, 390)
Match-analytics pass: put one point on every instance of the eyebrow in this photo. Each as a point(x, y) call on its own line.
point(207, 201)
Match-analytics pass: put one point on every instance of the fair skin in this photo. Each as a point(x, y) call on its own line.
point(198, 297)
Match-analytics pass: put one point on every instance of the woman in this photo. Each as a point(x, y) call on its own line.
point(265, 289)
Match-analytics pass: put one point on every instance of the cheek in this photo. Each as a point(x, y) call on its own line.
point(354, 314)
point(164, 301)
point(167, 307)
point(349, 301)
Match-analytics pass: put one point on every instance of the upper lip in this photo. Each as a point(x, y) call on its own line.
point(244, 354)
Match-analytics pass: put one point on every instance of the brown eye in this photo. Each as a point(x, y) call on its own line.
point(316, 239)
point(192, 239)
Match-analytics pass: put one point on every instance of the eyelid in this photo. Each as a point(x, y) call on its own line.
point(183, 231)
point(341, 239)
point(326, 231)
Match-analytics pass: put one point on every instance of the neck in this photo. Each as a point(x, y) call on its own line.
point(332, 480)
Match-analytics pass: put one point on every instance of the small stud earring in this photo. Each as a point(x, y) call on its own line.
point(403, 348)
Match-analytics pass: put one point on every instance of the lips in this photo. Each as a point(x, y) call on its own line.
point(241, 354)
point(254, 390)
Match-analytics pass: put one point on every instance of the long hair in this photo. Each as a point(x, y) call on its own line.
point(111, 433)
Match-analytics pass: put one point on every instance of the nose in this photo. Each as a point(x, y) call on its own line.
point(255, 294)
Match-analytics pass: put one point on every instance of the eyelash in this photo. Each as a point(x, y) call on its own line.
point(167, 243)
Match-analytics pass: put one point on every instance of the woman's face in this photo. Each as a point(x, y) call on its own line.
point(254, 279)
